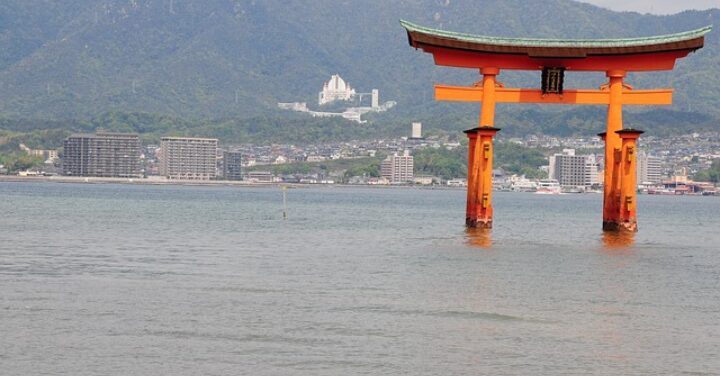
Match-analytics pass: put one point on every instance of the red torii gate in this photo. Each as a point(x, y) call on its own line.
point(553, 57)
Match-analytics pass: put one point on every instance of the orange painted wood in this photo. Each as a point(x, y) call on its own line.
point(628, 187)
point(484, 197)
point(589, 97)
point(470, 207)
point(474, 59)
point(480, 213)
point(487, 108)
point(647, 97)
point(613, 147)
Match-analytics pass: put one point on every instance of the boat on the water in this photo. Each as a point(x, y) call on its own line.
point(548, 187)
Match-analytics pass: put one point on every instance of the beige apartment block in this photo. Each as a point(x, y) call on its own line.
point(188, 158)
point(398, 169)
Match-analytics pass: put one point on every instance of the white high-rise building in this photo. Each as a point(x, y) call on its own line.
point(591, 171)
point(416, 130)
point(572, 170)
point(649, 169)
point(398, 168)
point(335, 90)
point(375, 98)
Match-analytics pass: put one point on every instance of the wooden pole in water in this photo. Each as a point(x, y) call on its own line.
point(284, 191)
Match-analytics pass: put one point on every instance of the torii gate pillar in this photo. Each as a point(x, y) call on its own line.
point(612, 180)
point(479, 211)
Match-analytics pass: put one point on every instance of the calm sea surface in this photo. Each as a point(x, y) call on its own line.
point(171, 280)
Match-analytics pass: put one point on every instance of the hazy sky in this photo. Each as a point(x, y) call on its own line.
point(655, 6)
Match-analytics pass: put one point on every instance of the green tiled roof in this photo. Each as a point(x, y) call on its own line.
point(558, 43)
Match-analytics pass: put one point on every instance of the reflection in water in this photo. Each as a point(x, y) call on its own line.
point(479, 237)
point(618, 240)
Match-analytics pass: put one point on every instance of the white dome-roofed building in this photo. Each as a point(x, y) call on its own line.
point(335, 90)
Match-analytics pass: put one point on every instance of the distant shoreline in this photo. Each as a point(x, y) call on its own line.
point(138, 181)
point(208, 183)
point(240, 184)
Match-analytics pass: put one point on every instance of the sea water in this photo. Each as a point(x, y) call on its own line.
point(176, 280)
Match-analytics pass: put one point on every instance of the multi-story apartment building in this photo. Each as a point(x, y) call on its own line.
point(572, 170)
point(102, 154)
point(188, 158)
point(398, 168)
point(649, 169)
point(232, 165)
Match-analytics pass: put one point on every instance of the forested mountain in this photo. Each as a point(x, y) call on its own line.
point(222, 59)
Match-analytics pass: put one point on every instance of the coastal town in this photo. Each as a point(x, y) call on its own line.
point(574, 164)
point(677, 165)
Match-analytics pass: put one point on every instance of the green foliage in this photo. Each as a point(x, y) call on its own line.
point(220, 59)
point(19, 161)
point(532, 173)
point(711, 174)
point(36, 139)
point(301, 129)
point(292, 168)
point(293, 129)
point(511, 157)
point(441, 162)
point(214, 70)
point(517, 159)
point(367, 168)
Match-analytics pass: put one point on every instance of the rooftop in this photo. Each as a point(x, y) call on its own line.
point(171, 138)
point(104, 134)
point(420, 37)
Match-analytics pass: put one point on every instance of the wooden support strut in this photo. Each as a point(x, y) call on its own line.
point(471, 197)
point(628, 181)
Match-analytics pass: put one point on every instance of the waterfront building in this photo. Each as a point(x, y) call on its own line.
point(188, 158)
point(232, 165)
point(522, 184)
point(572, 170)
point(335, 90)
point(398, 168)
point(458, 182)
point(102, 154)
point(649, 169)
point(425, 180)
point(260, 176)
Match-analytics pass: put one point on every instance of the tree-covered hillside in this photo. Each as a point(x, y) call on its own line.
point(237, 58)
